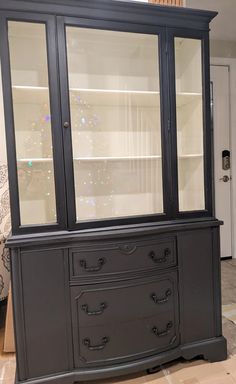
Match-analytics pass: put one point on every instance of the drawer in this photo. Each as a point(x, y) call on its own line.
point(123, 320)
point(123, 302)
point(113, 258)
point(128, 340)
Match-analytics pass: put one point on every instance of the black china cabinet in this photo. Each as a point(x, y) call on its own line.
point(114, 245)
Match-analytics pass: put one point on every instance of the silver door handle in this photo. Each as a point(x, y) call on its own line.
point(225, 178)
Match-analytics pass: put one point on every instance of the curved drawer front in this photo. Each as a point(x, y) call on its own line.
point(113, 258)
point(129, 340)
point(132, 318)
point(109, 304)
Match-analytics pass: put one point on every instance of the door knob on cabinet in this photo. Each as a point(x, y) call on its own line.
point(66, 124)
point(225, 178)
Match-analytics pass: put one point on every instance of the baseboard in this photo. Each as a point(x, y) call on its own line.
point(226, 258)
point(213, 350)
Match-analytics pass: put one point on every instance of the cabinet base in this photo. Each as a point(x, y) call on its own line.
point(212, 350)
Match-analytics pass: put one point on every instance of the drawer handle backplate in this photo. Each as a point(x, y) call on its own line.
point(127, 249)
point(100, 311)
point(163, 333)
point(101, 262)
point(162, 300)
point(99, 347)
point(160, 260)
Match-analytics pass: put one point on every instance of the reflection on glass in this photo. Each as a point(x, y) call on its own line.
point(32, 120)
point(115, 115)
point(189, 124)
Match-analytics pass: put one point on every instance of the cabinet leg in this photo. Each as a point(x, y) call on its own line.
point(211, 350)
point(216, 354)
point(150, 371)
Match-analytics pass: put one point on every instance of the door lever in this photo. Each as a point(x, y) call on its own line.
point(225, 178)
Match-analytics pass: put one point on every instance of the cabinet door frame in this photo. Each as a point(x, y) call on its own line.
point(53, 83)
point(203, 36)
point(65, 107)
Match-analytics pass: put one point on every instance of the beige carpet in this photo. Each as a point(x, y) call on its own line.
point(229, 311)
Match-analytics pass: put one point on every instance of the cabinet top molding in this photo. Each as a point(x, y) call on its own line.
point(113, 10)
point(119, 232)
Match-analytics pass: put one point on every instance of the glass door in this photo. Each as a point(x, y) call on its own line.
point(191, 90)
point(115, 123)
point(33, 124)
point(32, 118)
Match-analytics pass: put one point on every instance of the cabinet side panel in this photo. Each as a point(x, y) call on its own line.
point(217, 280)
point(18, 312)
point(196, 286)
point(45, 308)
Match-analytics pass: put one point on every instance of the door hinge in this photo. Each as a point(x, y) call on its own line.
point(168, 125)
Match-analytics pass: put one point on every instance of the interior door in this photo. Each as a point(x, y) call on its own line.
point(221, 124)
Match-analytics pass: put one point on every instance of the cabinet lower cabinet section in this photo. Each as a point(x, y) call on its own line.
point(125, 321)
point(155, 297)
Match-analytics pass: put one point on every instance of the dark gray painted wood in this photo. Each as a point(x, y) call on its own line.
point(127, 321)
point(125, 231)
point(18, 312)
point(197, 306)
point(127, 341)
point(124, 301)
point(116, 10)
point(216, 261)
point(127, 314)
point(214, 349)
point(44, 298)
point(122, 257)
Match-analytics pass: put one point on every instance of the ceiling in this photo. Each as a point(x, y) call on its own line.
point(223, 27)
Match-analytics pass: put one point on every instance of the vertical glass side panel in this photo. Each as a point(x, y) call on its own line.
point(32, 121)
point(115, 122)
point(189, 100)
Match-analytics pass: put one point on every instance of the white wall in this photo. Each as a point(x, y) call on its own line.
point(221, 48)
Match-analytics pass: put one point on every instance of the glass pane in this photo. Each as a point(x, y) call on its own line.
point(32, 118)
point(189, 124)
point(115, 116)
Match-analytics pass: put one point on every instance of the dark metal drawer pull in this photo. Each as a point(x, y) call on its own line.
point(87, 343)
point(102, 307)
point(160, 260)
point(162, 333)
point(101, 262)
point(163, 300)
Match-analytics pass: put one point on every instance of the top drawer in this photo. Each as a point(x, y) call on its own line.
point(112, 258)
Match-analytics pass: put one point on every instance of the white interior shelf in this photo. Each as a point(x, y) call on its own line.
point(39, 160)
point(110, 158)
point(109, 97)
point(117, 158)
point(191, 156)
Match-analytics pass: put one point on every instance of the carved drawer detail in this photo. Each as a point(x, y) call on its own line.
point(118, 258)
